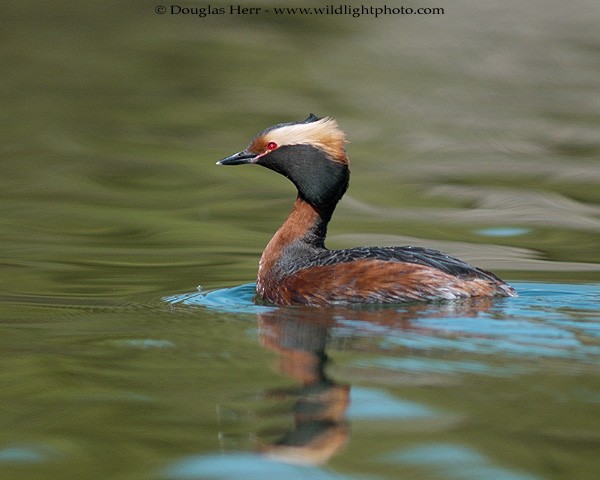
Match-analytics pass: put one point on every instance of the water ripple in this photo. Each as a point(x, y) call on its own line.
point(239, 299)
point(547, 320)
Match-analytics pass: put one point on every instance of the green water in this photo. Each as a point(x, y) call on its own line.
point(476, 132)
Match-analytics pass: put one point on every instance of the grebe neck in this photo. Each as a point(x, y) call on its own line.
point(304, 229)
point(305, 223)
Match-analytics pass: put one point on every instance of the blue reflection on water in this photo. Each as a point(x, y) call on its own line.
point(243, 465)
point(375, 404)
point(239, 299)
point(546, 320)
point(503, 231)
point(421, 365)
point(25, 454)
point(490, 335)
point(453, 461)
point(20, 455)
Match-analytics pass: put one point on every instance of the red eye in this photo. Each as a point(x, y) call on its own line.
point(271, 146)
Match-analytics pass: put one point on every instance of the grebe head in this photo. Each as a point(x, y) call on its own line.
point(311, 153)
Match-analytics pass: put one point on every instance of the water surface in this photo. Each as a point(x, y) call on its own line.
point(475, 132)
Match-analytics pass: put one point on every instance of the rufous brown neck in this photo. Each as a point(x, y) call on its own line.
point(305, 225)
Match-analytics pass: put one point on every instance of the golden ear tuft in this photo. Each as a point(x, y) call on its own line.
point(323, 133)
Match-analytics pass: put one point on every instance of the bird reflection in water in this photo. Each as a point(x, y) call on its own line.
point(320, 427)
point(300, 337)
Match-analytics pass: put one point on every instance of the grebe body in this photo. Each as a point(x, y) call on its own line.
point(296, 268)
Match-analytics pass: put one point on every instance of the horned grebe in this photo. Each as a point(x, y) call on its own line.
point(297, 268)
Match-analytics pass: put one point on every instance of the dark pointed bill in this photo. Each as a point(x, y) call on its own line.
point(239, 158)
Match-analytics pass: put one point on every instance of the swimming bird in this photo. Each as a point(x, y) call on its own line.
point(297, 269)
